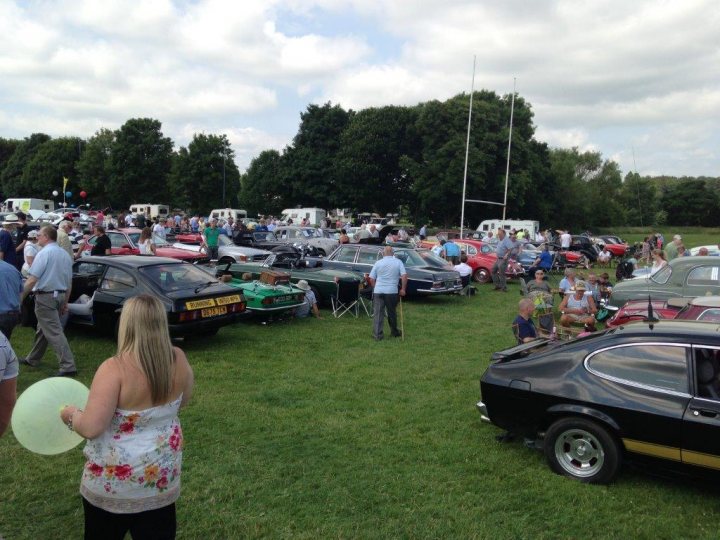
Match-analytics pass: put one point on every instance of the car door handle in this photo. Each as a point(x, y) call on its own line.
point(704, 412)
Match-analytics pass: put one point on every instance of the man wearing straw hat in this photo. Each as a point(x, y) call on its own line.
point(384, 278)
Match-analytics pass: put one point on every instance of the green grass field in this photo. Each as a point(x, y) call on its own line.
point(310, 429)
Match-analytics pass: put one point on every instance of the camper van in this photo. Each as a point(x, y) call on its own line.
point(224, 213)
point(153, 210)
point(488, 225)
point(25, 205)
point(315, 215)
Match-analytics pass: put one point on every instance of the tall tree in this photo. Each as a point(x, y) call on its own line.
point(139, 163)
point(7, 149)
point(11, 177)
point(54, 160)
point(262, 190)
point(638, 198)
point(690, 202)
point(369, 172)
point(95, 167)
point(311, 158)
point(206, 173)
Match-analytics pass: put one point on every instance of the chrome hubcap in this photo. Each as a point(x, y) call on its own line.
point(579, 452)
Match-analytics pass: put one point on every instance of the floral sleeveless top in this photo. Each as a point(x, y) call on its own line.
point(135, 464)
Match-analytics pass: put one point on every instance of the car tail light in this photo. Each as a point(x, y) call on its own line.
point(189, 315)
point(267, 301)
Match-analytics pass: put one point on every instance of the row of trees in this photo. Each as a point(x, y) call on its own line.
point(379, 159)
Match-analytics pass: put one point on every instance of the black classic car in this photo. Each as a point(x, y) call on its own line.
point(196, 302)
point(642, 392)
point(423, 278)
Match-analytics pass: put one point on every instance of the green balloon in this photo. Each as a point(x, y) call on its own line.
point(36, 420)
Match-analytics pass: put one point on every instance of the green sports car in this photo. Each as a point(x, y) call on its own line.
point(269, 301)
point(323, 281)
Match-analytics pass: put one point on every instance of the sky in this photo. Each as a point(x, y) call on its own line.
point(637, 81)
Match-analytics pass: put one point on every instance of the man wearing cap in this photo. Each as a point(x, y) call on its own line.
point(7, 244)
point(10, 289)
point(51, 280)
point(578, 307)
point(384, 278)
point(20, 239)
point(310, 304)
point(671, 250)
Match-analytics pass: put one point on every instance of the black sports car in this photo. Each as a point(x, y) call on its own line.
point(643, 392)
point(196, 302)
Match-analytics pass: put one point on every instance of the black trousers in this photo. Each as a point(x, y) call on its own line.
point(157, 524)
point(8, 321)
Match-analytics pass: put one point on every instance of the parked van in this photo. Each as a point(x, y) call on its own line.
point(315, 215)
point(153, 210)
point(508, 224)
point(24, 205)
point(224, 213)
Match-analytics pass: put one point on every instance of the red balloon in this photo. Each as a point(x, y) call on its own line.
point(83, 194)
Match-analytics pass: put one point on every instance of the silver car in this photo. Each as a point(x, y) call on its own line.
point(307, 235)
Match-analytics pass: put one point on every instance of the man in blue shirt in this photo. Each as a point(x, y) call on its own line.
point(523, 325)
point(10, 289)
point(506, 248)
point(543, 262)
point(51, 280)
point(384, 278)
point(451, 252)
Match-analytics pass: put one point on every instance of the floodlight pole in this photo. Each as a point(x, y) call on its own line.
point(467, 150)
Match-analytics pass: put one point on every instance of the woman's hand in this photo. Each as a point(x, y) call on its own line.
point(67, 412)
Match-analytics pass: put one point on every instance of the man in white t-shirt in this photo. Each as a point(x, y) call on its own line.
point(159, 230)
point(565, 240)
point(465, 271)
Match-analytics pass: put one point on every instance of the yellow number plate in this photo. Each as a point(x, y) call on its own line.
point(197, 304)
point(213, 312)
point(225, 300)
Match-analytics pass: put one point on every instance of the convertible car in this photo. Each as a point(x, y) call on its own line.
point(424, 278)
point(196, 303)
point(269, 301)
point(643, 392)
point(702, 308)
point(125, 242)
point(322, 280)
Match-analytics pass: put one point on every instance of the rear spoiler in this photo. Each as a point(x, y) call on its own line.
point(519, 351)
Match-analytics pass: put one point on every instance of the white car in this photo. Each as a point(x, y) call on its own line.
point(228, 252)
point(713, 250)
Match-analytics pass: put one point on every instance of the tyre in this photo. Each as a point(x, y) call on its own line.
point(321, 252)
point(481, 275)
point(226, 260)
point(583, 450)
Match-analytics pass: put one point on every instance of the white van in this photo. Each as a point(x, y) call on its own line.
point(153, 210)
point(24, 205)
point(508, 224)
point(224, 213)
point(315, 215)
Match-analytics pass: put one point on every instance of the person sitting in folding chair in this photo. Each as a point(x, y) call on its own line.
point(523, 325)
point(578, 308)
point(465, 271)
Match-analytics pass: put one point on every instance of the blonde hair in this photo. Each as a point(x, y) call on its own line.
point(143, 335)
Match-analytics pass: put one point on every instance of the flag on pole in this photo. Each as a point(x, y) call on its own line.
point(65, 183)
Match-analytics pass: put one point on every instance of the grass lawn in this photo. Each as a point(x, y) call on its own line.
point(310, 429)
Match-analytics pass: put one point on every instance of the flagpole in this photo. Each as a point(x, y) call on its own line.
point(467, 150)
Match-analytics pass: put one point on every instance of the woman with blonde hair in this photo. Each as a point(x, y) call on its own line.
point(131, 479)
point(659, 261)
point(145, 244)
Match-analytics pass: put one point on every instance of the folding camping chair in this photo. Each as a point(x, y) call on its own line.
point(346, 298)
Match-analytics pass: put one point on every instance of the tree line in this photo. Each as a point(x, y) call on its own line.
point(386, 159)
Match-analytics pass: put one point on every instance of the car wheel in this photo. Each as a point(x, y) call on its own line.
point(226, 260)
point(583, 450)
point(482, 275)
point(321, 252)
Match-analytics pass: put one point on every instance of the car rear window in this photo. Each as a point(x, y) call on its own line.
point(175, 277)
point(661, 366)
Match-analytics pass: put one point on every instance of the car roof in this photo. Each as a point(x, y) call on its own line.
point(706, 301)
point(670, 328)
point(131, 261)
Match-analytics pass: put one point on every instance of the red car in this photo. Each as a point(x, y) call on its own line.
point(481, 258)
point(124, 242)
point(702, 308)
